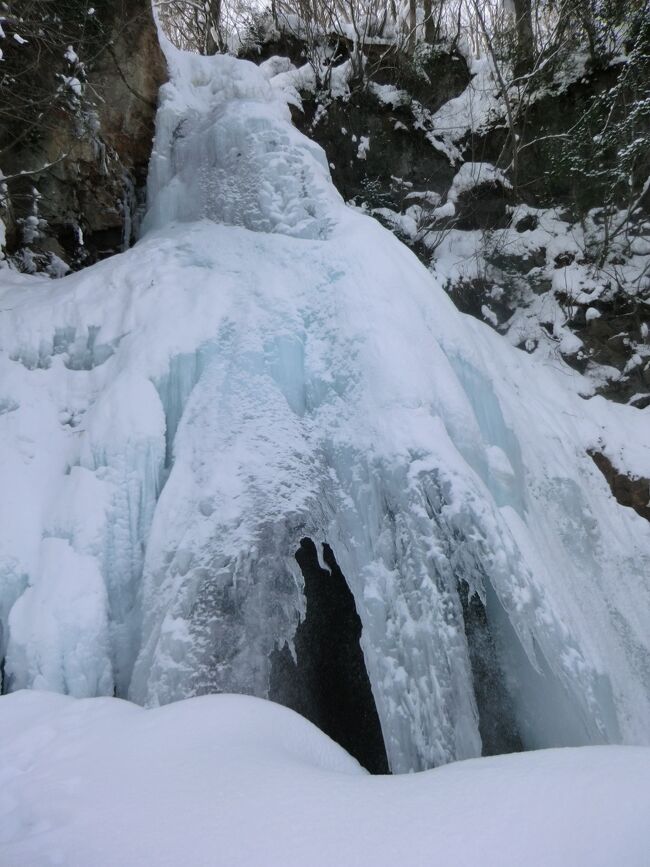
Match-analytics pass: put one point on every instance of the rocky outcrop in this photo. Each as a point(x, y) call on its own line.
point(631, 491)
point(374, 136)
point(76, 181)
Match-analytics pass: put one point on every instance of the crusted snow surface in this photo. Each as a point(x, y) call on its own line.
point(241, 782)
point(264, 365)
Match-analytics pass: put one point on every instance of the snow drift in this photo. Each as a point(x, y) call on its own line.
point(236, 781)
point(267, 365)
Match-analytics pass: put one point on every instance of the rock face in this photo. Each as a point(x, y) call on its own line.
point(631, 491)
point(87, 158)
point(375, 138)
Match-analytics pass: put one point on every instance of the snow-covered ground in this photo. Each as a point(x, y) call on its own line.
point(234, 781)
point(267, 364)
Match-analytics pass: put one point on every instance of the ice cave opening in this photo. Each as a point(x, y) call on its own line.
point(496, 717)
point(325, 679)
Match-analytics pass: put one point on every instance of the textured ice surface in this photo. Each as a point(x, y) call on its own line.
point(225, 150)
point(265, 365)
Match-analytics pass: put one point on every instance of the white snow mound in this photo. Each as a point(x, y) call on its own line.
point(240, 782)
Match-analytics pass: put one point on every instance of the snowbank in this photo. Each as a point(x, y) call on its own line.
point(233, 781)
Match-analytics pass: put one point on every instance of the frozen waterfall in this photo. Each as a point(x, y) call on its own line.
point(267, 365)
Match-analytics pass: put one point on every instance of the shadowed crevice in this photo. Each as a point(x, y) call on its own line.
point(328, 682)
point(497, 725)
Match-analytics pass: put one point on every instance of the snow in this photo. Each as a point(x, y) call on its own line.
point(73, 84)
point(550, 274)
point(364, 147)
point(267, 364)
point(469, 176)
point(239, 781)
point(477, 107)
point(71, 55)
point(472, 174)
point(290, 82)
point(489, 315)
point(388, 94)
point(481, 105)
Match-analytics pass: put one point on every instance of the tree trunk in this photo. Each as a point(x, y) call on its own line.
point(429, 23)
point(412, 35)
point(212, 21)
point(586, 17)
point(525, 42)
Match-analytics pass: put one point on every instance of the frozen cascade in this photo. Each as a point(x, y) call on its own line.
point(267, 365)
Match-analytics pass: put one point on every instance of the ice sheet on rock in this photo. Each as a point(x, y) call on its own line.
point(298, 372)
point(225, 150)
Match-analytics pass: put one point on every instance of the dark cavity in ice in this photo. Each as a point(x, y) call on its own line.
point(328, 683)
point(497, 725)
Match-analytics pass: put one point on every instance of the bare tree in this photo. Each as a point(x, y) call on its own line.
point(525, 56)
point(193, 24)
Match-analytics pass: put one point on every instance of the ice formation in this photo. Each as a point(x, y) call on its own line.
point(267, 364)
